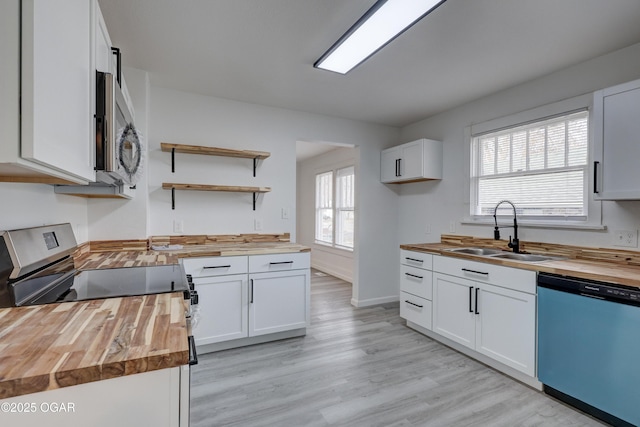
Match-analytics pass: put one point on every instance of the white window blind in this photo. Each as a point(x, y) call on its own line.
point(324, 207)
point(345, 188)
point(541, 167)
point(335, 207)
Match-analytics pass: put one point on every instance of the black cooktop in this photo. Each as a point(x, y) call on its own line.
point(119, 282)
point(62, 283)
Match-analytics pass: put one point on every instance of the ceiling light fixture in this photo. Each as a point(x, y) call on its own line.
point(385, 21)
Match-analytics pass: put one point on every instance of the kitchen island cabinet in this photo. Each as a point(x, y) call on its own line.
point(147, 399)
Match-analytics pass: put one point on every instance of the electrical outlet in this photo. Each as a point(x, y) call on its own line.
point(257, 224)
point(427, 229)
point(452, 226)
point(178, 226)
point(285, 213)
point(626, 238)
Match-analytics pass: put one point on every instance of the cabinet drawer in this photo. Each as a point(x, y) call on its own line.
point(416, 259)
point(279, 262)
point(215, 266)
point(416, 281)
point(415, 309)
point(506, 277)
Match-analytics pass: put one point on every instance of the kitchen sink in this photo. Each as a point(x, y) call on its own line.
point(526, 257)
point(477, 251)
point(498, 253)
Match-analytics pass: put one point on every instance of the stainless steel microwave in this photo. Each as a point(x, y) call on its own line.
point(113, 117)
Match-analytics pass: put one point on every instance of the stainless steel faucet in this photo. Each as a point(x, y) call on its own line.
point(515, 243)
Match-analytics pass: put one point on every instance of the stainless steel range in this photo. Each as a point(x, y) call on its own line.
point(36, 267)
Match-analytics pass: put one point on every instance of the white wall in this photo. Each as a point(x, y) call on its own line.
point(113, 219)
point(441, 202)
point(32, 205)
point(185, 118)
point(337, 262)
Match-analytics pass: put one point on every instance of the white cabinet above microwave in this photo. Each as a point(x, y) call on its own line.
point(46, 122)
point(419, 160)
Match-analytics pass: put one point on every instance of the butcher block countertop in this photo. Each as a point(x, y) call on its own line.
point(46, 347)
point(607, 265)
point(136, 258)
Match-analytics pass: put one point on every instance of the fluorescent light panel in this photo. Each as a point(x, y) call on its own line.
point(380, 25)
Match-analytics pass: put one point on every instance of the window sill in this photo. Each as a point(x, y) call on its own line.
point(338, 250)
point(569, 225)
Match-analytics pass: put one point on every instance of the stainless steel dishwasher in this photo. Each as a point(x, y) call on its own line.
point(589, 346)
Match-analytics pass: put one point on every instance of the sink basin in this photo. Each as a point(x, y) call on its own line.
point(477, 251)
point(525, 257)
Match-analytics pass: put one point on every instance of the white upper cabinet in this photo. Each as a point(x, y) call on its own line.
point(616, 117)
point(47, 96)
point(419, 160)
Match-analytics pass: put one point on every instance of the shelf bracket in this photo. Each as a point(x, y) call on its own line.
point(255, 198)
point(255, 163)
point(173, 199)
point(173, 160)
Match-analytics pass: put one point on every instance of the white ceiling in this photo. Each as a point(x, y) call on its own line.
point(262, 51)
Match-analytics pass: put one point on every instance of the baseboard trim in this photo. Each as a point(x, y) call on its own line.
point(243, 342)
point(325, 269)
point(374, 301)
point(507, 370)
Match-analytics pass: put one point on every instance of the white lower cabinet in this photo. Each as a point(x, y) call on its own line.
point(278, 301)
point(416, 288)
point(224, 310)
point(496, 321)
point(156, 398)
point(244, 297)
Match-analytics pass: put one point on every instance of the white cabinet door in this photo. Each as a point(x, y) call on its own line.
point(278, 301)
point(453, 308)
point(223, 302)
point(103, 55)
point(506, 327)
point(389, 164)
point(57, 70)
point(411, 160)
point(617, 142)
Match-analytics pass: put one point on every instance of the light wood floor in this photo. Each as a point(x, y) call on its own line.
point(362, 367)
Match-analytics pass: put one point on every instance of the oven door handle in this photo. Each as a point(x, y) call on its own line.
point(193, 354)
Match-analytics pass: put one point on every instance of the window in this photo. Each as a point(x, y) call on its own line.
point(541, 167)
point(335, 207)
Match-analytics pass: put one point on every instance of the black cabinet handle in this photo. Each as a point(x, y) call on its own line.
point(470, 296)
point(251, 290)
point(414, 304)
point(216, 266)
point(477, 290)
point(475, 271)
point(595, 177)
point(414, 260)
point(281, 262)
point(413, 275)
point(399, 167)
point(193, 355)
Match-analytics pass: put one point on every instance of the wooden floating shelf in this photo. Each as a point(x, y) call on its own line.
point(208, 187)
point(212, 151)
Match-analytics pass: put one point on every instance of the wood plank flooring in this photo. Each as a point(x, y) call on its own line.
point(362, 367)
